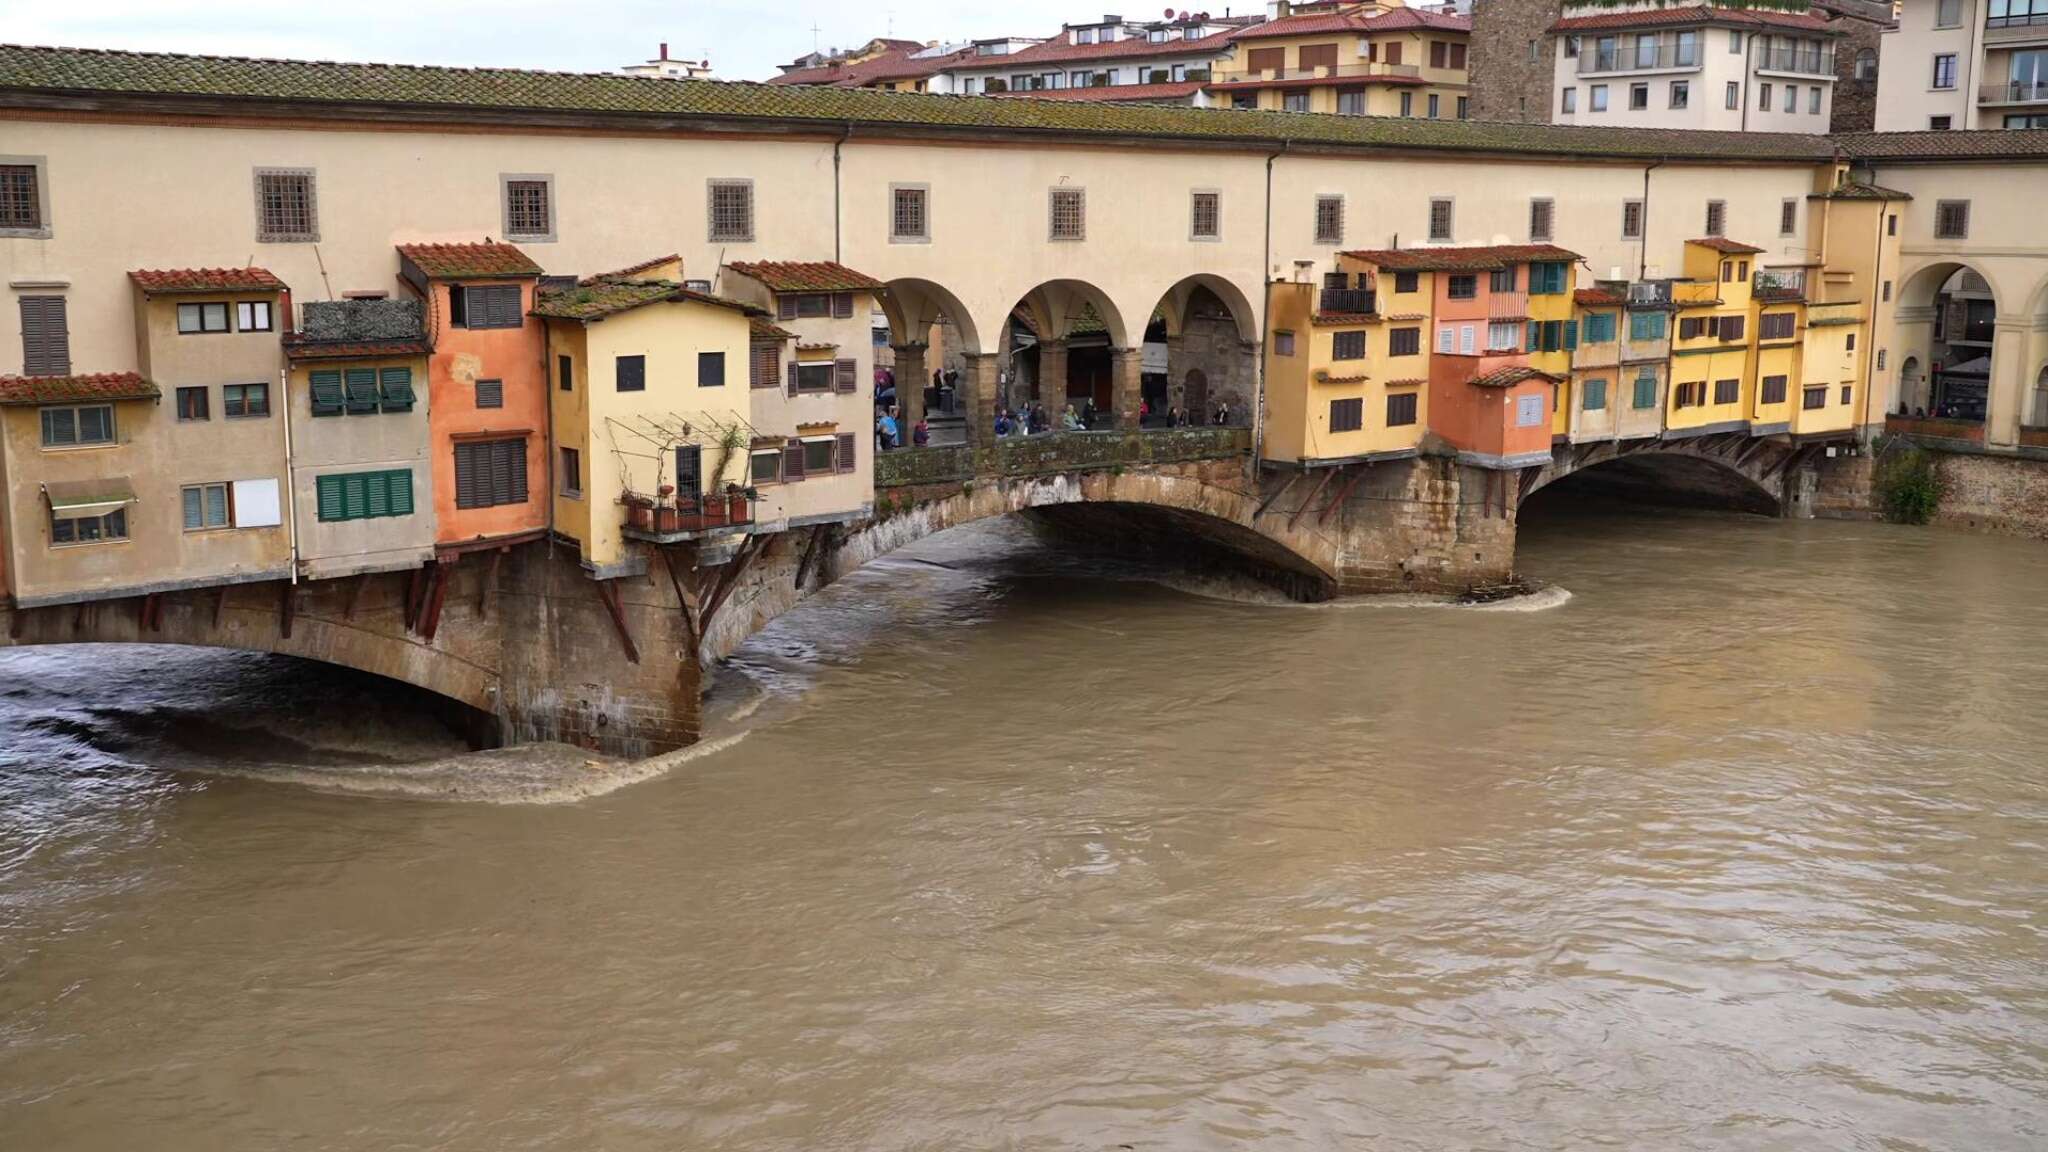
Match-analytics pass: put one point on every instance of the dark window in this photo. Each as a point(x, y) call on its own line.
point(1847, 391)
point(89, 529)
point(848, 445)
point(1404, 342)
point(632, 373)
point(1464, 286)
point(1788, 216)
point(767, 466)
point(1717, 217)
point(1400, 409)
point(1347, 415)
point(1440, 219)
point(710, 369)
point(45, 336)
point(192, 403)
point(364, 495)
point(1813, 398)
point(907, 217)
point(1631, 219)
point(731, 206)
point(1329, 219)
point(1595, 392)
point(490, 393)
point(1068, 212)
point(1727, 391)
point(361, 387)
point(842, 305)
point(764, 364)
point(690, 469)
point(1732, 328)
point(565, 371)
point(485, 306)
point(489, 473)
point(194, 318)
point(1502, 280)
point(75, 427)
point(527, 212)
point(1542, 215)
point(821, 456)
point(1347, 346)
point(1407, 281)
point(803, 305)
point(1776, 326)
point(284, 206)
point(1206, 216)
point(1439, 53)
point(1773, 391)
point(21, 203)
point(572, 472)
point(793, 461)
point(1952, 219)
point(238, 401)
point(1457, 57)
point(813, 377)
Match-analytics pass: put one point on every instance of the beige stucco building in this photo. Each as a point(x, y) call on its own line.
point(1957, 64)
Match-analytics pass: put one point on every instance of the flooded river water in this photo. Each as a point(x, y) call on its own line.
point(1742, 845)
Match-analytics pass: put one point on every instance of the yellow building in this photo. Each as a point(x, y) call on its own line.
point(1548, 299)
point(1830, 372)
point(1594, 391)
point(1347, 366)
point(650, 412)
point(1712, 369)
point(1778, 320)
point(1352, 59)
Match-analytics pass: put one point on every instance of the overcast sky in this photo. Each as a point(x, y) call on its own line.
point(744, 39)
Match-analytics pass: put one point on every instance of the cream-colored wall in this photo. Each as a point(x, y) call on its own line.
point(1906, 96)
point(371, 442)
point(569, 417)
point(669, 335)
point(1707, 102)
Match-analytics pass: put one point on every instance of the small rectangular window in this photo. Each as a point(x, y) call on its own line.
point(730, 205)
point(68, 530)
point(1596, 98)
point(206, 506)
point(1945, 71)
point(192, 403)
point(21, 200)
point(252, 316)
point(1648, 326)
point(1441, 219)
point(1401, 409)
point(78, 427)
point(1847, 392)
point(1347, 415)
point(1329, 219)
point(1283, 343)
point(764, 364)
point(1568, 102)
point(1464, 286)
point(1542, 215)
point(1772, 390)
point(1205, 216)
point(1347, 346)
point(821, 456)
point(1717, 217)
point(364, 495)
point(1405, 282)
point(710, 369)
point(1788, 218)
point(571, 470)
point(1734, 96)
point(490, 393)
point(1404, 342)
point(45, 336)
point(1812, 398)
point(487, 306)
point(1646, 390)
point(909, 220)
point(766, 466)
point(490, 473)
point(1952, 219)
point(1632, 219)
point(1727, 391)
point(198, 318)
point(1595, 395)
point(285, 207)
point(529, 208)
point(1067, 213)
point(632, 373)
point(1638, 97)
point(565, 373)
point(244, 401)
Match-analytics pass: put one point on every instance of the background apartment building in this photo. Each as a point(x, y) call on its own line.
point(1965, 64)
point(1371, 59)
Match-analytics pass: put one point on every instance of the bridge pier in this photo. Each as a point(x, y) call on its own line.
point(980, 381)
point(912, 377)
point(1052, 378)
point(1126, 384)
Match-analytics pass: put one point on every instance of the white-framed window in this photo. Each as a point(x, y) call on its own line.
point(729, 210)
point(1447, 339)
point(207, 506)
point(1734, 97)
point(1329, 219)
point(1596, 98)
point(529, 203)
point(1067, 213)
point(197, 318)
point(1568, 102)
point(253, 316)
point(1681, 94)
point(910, 213)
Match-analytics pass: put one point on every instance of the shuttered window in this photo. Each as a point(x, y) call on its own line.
point(842, 305)
point(1646, 389)
point(821, 457)
point(1595, 392)
point(490, 393)
point(847, 446)
point(206, 506)
point(1777, 326)
point(396, 387)
point(488, 306)
point(632, 373)
point(1347, 415)
point(489, 473)
point(327, 397)
point(1599, 328)
point(364, 495)
point(846, 375)
point(1404, 342)
point(764, 364)
point(1774, 390)
point(240, 401)
point(45, 337)
point(710, 369)
point(1347, 346)
point(1400, 409)
point(793, 462)
point(1727, 391)
point(362, 390)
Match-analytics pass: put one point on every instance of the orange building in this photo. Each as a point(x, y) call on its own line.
point(487, 401)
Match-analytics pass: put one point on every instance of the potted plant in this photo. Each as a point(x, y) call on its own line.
point(667, 517)
point(639, 511)
point(736, 499)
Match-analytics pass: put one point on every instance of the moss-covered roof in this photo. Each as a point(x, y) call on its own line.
point(69, 389)
point(608, 297)
point(470, 261)
point(381, 88)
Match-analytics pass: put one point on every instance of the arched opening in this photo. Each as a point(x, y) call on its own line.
point(1866, 66)
point(2037, 419)
point(1948, 320)
point(1201, 355)
point(921, 373)
point(1653, 479)
point(1065, 363)
point(1187, 544)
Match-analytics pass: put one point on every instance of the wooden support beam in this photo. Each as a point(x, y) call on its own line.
point(1329, 474)
point(686, 596)
point(17, 620)
point(1529, 476)
point(1343, 493)
point(78, 618)
point(437, 591)
point(142, 609)
point(355, 595)
point(415, 592)
point(288, 609)
point(220, 606)
point(812, 548)
point(608, 591)
point(729, 580)
point(1283, 490)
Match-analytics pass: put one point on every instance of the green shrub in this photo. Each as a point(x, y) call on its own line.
point(1909, 487)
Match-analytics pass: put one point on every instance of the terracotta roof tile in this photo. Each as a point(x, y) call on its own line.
point(1980, 144)
point(1408, 382)
point(1396, 20)
point(1860, 192)
point(1726, 246)
point(1062, 49)
point(900, 63)
point(763, 329)
point(81, 386)
point(1694, 14)
point(469, 261)
point(1461, 259)
point(1509, 377)
point(1599, 298)
point(207, 280)
point(353, 349)
point(805, 276)
point(611, 297)
point(1341, 319)
point(633, 271)
point(369, 89)
point(1117, 93)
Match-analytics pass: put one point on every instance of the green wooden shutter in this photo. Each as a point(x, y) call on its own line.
point(327, 399)
point(330, 490)
point(399, 492)
point(377, 493)
point(1571, 334)
point(362, 390)
point(397, 389)
point(1535, 340)
point(355, 501)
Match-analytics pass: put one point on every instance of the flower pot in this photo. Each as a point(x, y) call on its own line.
point(667, 519)
point(640, 516)
point(736, 508)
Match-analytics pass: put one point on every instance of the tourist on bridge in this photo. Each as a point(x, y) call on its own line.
point(1175, 418)
point(1071, 422)
point(920, 434)
point(886, 431)
point(1002, 423)
point(1037, 421)
point(1088, 414)
point(1222, 415)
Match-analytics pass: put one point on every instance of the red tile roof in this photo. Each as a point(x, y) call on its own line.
point(768, 330)
point(1509, 377)
point(1726, 246)
point(805, 276)
point(1467, 259)
point(1697, 14)
point(633, 271)
point(1397, 20)
point(1599, 298)
point(69, 389)
point(1342, 319)
point(901, 63)
point(1116, 93)
point(1062, 49)
point(609, 297)
point(469, 261)
point(353, 349)
point(207, 280)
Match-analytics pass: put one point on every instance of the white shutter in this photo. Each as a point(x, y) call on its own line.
point(257, 505)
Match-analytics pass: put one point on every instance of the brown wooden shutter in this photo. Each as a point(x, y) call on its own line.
point(1266, 59)
point(792, 377)
point(785, 307)
point(842, 305)
point(1394, 52)
point(45, 337)
point(846, 451)
point(793, 461)
point(1318, 56)
point(846, 376)
point(466, 471)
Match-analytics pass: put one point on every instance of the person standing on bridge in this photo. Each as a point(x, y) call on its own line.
point(1071, 422)
point(886, 430)
point(920, 434)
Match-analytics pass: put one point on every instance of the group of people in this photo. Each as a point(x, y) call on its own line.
point(889, 430)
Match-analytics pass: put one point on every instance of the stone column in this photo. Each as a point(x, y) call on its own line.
point(1244, 382)
point(913, 376)
point(1052, 378)
point(1177, 372)
point(978, 382)
point(2011, 383)
point(1126, 367)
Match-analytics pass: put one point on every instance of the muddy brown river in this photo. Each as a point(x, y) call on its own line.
point(1737, 840)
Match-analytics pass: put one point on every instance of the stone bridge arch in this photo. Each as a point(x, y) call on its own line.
point(1725, 469)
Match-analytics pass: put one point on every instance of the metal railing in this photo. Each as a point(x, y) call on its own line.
point(1322, 72)
point(2032, 20)
point(1353, 301)
point(1649, 292)
point(1631, 58)
point(1780, 283)
point(2014, 92)
point(1807, 61)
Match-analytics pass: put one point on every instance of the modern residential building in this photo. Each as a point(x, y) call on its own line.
point(666, 67)
point(1704, 64)
point(1357, 59)
point(651, 424)
point(362, 484)
point(487, 397)
point(1111, 60)
point(984, 66)
point(891, 65)
point(810, 375)
point(1953, 64)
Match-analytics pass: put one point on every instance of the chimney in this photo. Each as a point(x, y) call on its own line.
point(664, 50)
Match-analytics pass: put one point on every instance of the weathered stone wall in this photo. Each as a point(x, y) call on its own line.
point(1506, 83)
point(1428, 524)
point(1862, 23)
point(2004, 494)
point(1837, 489)
point(1211, 344)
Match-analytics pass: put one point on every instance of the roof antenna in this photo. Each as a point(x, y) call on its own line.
point(814, 35)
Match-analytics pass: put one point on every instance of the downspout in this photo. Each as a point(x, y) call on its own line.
point(837, 222)
point(1748, 75)
point(291, 473)
point(1870, 341)
point(1643, 241)
point(1266, 320)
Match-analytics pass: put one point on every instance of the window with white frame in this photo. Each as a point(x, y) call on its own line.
point(909, 213)
point(1067, 212)
point(1329, 219)
point(730, 208)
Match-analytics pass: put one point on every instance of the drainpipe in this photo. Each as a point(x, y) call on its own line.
point(1266, 322)
point(1643, 241)
point(1748, 75)
point(290, 496)
point(837, 224)
point(1870, 334)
